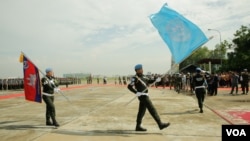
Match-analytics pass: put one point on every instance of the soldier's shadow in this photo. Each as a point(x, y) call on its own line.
point(124, 133)
point(195, 111)
point(10, 125)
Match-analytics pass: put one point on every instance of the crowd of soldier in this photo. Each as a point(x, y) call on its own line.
point(184, 81)
point(18, 83)
point(11, 83)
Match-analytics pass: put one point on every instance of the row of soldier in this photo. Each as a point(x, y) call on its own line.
point(18, 83)
point(11, 83)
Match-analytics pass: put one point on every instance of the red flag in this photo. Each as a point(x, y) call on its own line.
point(32, 87)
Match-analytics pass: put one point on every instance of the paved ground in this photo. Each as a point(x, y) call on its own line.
point(97, 112)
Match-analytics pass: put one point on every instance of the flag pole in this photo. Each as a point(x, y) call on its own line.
point(130, 101)
point(45, 76)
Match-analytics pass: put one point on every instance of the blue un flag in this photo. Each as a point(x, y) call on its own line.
point(181, 35)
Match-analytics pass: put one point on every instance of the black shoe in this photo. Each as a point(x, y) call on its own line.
point(164, 125)
point(139, 128)
point(56, 124)
point(201, 111)
point(48, 123)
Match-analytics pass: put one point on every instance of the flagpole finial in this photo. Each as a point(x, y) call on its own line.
point(211, 37)
point(21, 57)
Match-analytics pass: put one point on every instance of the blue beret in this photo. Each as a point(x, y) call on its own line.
point(48, 70)
point(138, 66)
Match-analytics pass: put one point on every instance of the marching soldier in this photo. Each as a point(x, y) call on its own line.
point(120, 80)
point(234, 82)
point(49, 87)
point(200, 88)
point(245, 82)
point(124, 80)
point(138, 86)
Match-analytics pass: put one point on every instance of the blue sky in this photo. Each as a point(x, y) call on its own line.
point(107, 37)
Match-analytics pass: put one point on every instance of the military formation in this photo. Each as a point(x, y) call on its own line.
point(11, 84)
point(17, 83)
point(200, 83)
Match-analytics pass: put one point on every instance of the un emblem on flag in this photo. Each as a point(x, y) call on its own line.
point(177, 30)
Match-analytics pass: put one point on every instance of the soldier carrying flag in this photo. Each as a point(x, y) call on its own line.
point(50, 85)
point(32, 88)
point(138, 85)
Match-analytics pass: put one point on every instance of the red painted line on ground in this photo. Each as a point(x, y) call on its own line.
point(223, 117)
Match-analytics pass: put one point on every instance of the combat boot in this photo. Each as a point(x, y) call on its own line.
point(48, 122)
point(201, 110)
point(163, 125)
point(55, 123)
point(158, 121)
point(140, 128)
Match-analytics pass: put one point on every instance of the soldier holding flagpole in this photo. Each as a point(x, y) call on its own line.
point(138, 86)
point(49, 87)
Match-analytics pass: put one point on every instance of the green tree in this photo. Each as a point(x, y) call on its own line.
point(240, 57)
point(237, 59)
point(221, 49)
point(202, 52)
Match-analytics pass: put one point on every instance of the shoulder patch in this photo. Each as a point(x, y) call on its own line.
point(132, 79)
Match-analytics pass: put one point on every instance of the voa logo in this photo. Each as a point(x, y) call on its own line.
point(236, 132)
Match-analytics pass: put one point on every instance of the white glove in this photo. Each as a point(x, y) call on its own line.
point(158, 79)
point(138, 94)
point(52, 82)
point(56, 90)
